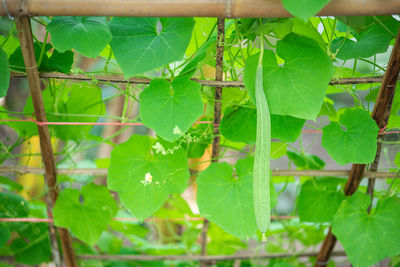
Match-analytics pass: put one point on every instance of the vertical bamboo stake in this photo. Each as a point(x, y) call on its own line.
point(25, 37)
point(219, 70)
point(380, 114)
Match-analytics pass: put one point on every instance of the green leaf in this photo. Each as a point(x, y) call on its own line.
point(170, 108)
point(88, 35)
point(201, 31)
point(9, 44)
point(353, 139)
point(319, 200)
point(199, 56)
point(368, 238)
point(144, 178)
point(60, 62)
point(298, 87)
point(4, 234)
point(394, 118)
point(33, 245)
point(7, 182)
point(86, 213)
point(396, 159)
point(57, 62)
point(239, 125)
point(286, 128)
point(4, 74)
point(305, 161)
point(78, 98)
point(13, 206)
point(371, 36)
point(304, 9)
point(278, 149)
point(143, 44)
point(226, 200)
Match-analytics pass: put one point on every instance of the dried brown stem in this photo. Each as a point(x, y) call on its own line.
point(26, 42)
point(380, 114)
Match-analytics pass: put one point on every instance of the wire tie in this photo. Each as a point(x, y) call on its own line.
point(8, 12)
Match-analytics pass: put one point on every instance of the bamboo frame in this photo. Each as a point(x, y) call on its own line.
point(103, 172)
point(210, 83)
point(219, 72)
point(172, 8)
point(188, 8)
point(213, 258)
point(26, 41)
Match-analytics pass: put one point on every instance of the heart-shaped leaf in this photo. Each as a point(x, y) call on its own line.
point(304, 9)
point(319, 199)
point(88, 35)
point(228, 200)
point(170, 108)
point(144, 177)
point(86, 213)
point(352, 139)
point(143, 44)
point(372, 34)
point(368, 238)
point(239, 125)
point(298, 87)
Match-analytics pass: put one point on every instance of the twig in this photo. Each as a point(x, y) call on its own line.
point(28, 53)
point(210, 83)
point(380, 114)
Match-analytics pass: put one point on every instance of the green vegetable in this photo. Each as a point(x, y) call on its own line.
point(261, 171)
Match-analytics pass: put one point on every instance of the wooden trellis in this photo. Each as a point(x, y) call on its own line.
point(22, 9)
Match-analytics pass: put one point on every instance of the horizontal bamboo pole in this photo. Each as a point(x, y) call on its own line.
point(103, 172)
point(211, 83)
point(244, 256)
point(188, 8)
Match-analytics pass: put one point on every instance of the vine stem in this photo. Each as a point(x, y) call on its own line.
point(24, 29)
point(219, 71)
point(380, 114)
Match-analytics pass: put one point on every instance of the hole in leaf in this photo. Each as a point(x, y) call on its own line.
point(81, 199)
point(159, 27)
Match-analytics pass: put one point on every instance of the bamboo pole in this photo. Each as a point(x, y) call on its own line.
point(380, 114)
point(244, 256)
point(210, 83)
point(188, 8)
point(103, 172)
point(219, 72)
point(26, 42)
